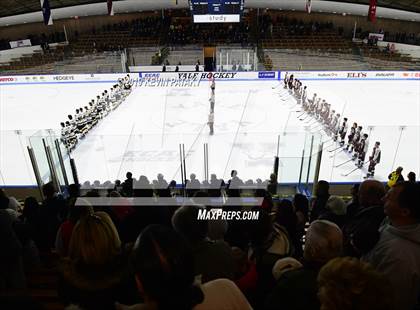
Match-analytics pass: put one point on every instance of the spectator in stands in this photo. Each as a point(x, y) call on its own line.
point(353, 205)
point(286, 217)
point(321, 197)
point(268, 243)
point(348, 284)
point(272, 184)
point(245, 273)
point(395, 177)
point(411, 176)
point(8, 202)
point(234, 184)
point(361, 232)
point(11, 265)
point(52, 212)
point(127, 186)
point(301, 206)
point(94, 276)
point(397, 253)
point(212, 259)
point(297, 288)
point(335, 211)
point(193, 185)
point(64, 233)
point(164, 266)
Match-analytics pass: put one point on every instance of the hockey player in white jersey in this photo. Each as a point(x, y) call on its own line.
point(304, 96)
point(343, 131)
point(210, 122)
point(362, 150)
point(374, 159)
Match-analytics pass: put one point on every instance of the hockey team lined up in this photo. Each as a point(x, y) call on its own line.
point(85, 118)
point(335, 126)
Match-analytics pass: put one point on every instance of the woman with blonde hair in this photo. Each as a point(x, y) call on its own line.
point(346, 283)
point(95, 275)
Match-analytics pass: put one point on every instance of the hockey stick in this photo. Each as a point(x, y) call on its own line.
point(343, 163)
point(336, 154)
point(347, 174)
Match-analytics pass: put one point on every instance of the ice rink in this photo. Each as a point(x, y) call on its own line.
point(253, 122)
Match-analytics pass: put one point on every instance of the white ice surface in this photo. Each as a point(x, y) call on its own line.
point(144, 133)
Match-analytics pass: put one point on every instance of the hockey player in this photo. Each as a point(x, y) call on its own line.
point(100, 108)
point(362, 150)
point(304, 96)
point(72, 131)
point(335, 126)
point(290, 83)
point(64, 134)
point(211, 123)
point(351, 135)
point(211, 103)
point(286, 80)
point(356, 140)
point(93, 112)
point(343, 131)
point(329, 119)
point(213, 86)
point(374, 159)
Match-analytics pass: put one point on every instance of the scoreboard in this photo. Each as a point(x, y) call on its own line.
point(217, 11)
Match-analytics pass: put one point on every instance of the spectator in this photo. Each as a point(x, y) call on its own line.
point(397, 253)
point(164, 266)
point(286, 217)
point(127, 186)
point(297, 288)
point(268, 243)
point(212, 259)
point(348, 284)
point(11, 265)
point(395, 177)
point(193, 185)
point(335, 211)
point(321, 197)
point(301, 206)
point(94, 276)
point(8, 202)
point(272, 184)
point(52, 212)
point(361, 232)
point(64, 233)
point(411, 176)
point(353, 206)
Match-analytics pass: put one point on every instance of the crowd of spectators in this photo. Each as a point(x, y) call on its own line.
point(302, 253)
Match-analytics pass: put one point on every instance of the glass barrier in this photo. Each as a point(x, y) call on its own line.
point(400, 146)
point(109, 157)
point(15, 164)
point(36, 142)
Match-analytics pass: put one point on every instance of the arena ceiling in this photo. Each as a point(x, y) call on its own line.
point(15, 7)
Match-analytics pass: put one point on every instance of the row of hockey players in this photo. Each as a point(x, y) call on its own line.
point(85, 118)
point(336, 127)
